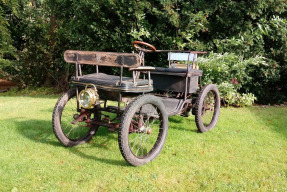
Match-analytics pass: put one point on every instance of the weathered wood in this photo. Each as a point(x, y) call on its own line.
point(102, 58)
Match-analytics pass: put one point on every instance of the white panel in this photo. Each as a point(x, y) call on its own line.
point(181, 56)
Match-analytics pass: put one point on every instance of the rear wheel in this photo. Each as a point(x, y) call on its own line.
point(69, 125)
point(143, 130)
point(207, 108)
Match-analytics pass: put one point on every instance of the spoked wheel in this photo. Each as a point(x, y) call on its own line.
point(143, 130)
point(69, 125)
point(207, 108)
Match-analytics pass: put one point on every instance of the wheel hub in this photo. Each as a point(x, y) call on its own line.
point(146, 130)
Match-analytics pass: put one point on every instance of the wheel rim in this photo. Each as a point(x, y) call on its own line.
point(79, 130)
point(145, 130)
point(208, 108)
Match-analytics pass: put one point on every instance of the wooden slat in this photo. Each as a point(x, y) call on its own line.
point(102, 58)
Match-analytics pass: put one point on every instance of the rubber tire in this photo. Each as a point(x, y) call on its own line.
point(57, 128)
point(198, 108)
point(124, 129)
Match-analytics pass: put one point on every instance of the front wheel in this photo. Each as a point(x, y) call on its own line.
point(207, 108)
point(143, 130)
point(69, 125)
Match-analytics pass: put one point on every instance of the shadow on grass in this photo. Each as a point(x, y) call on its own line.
point(91, 157)
point(180, 123)
point(42, 132)
point(273, 118)
point(37, 131)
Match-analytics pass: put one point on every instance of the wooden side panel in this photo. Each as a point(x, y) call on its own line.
point(102, 58)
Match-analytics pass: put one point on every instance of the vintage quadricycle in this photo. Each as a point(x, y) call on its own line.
point(137, 107)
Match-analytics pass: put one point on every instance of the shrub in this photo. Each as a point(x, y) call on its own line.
point(232, 75)
point(228, 67)
point(229, 96)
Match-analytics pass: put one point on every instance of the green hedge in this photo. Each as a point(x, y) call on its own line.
point(35, 33)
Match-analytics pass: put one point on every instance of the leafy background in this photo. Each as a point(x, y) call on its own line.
point(246, 40)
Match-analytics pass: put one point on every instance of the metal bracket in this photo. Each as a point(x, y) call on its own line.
point(78, 67)
point(122, 64)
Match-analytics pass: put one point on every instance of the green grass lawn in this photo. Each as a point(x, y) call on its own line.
point(247, 151)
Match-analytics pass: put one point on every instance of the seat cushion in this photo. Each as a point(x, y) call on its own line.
point(104, 81)
point(170, 70)
point(176, 71)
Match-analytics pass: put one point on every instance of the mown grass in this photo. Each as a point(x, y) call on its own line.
point(247, 151)
point(30, 91)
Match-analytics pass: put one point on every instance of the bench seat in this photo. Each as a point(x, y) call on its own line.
point(112, 83)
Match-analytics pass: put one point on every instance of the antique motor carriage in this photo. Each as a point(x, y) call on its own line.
point(137, 107)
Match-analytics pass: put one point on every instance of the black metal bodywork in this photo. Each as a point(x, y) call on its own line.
point(176, 82)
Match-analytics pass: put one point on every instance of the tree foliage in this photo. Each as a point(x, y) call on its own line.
point(35, 33)
point(7, 51)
